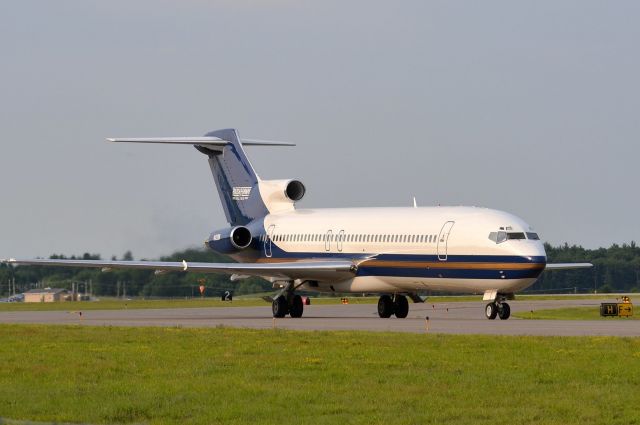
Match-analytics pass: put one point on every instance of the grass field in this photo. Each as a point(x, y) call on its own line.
point(232, 376)
point(574, 313)
point(245, 301)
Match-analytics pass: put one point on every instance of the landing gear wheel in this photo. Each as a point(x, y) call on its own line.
point(279, 307)
point(401, 306)
point(491, 311)
point(297, 307)
point(504, 311)
point(385, 307)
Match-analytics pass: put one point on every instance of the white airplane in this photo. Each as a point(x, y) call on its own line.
point(395, 252)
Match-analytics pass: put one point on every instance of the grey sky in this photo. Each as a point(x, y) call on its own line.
point(530, 107)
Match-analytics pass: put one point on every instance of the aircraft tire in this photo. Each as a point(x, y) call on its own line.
point(279, 307)
point(401, 307)
point(491, 311)
point(297, 307)
point(504, 311)
point(385, 307)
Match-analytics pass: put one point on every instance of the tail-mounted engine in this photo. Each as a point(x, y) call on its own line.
point(281, 195)
point(231, 240)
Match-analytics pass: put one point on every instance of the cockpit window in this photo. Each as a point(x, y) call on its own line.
point(533, 236)
point(501, 236)
point(498, 237)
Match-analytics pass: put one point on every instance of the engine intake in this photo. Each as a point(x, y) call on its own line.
point(240, 237)
point(281, 195)
point(295, 190)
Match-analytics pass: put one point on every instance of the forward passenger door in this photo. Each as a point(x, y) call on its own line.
point(443, 240)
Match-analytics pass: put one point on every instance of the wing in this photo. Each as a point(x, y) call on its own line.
point(568, 266)
point(312, 270)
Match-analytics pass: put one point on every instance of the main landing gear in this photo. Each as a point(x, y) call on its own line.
point(499, 309)
point(281, 307)
point(287, 302)
point(388, 306)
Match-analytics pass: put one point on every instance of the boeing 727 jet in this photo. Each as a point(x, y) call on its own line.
point(394, 252)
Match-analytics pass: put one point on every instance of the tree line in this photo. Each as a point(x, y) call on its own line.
point(616, 269)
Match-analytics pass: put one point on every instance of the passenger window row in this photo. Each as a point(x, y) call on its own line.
point(353, 238)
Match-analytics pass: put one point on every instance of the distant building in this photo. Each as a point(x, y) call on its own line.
point(46, 295)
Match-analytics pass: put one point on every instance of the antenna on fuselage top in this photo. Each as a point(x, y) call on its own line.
point(415, 204)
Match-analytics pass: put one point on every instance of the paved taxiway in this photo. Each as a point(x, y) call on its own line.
point(450, 318)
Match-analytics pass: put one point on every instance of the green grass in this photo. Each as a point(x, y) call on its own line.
point(233, 376)
point(571, 313)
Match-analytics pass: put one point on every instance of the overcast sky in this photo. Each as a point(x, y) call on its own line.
point(530, 107)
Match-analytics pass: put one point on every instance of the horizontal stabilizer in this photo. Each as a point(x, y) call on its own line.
point(202, 141)
point(568, 266)
point(231, 169)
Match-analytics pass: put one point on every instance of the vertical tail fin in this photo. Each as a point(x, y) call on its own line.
point(235, 178)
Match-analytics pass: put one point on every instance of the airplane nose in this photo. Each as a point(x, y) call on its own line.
point(533, 251)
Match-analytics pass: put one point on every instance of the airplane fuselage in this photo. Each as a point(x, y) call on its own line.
point(453, 249)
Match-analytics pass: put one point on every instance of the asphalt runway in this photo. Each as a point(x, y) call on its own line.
point(448, 318)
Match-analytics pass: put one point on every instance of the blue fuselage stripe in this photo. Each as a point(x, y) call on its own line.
point(479, 267)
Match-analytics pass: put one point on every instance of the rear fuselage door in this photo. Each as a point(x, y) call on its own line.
point(443, 240)
point(267, 241)
point(340, 240)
